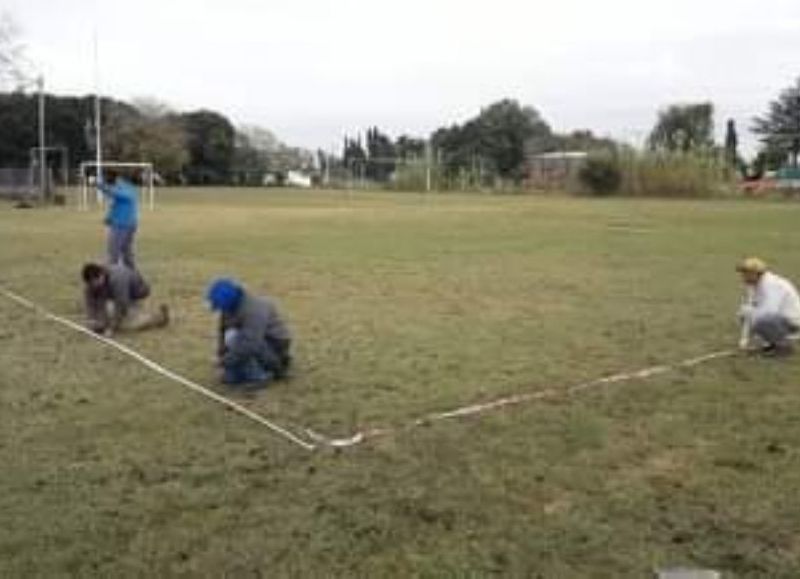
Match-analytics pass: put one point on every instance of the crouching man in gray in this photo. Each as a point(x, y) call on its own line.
point(113, 295)
point(254, 342)
point(770, 312)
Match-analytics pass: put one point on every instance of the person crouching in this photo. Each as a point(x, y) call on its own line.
point(770, 312)
point(253, 342)
point(114, 296)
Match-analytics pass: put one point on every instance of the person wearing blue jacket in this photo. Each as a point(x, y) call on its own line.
point(122, 218)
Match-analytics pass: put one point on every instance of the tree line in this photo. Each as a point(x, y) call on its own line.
point(198, 147)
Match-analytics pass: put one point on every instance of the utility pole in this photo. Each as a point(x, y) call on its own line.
point(42, 151)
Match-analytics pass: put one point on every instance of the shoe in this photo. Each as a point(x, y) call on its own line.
point(780, 350)
point(260, 384)
point(283, 373)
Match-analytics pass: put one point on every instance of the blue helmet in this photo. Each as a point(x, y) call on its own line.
point(224, 294)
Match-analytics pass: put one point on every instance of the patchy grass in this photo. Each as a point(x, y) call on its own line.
point(403, 305)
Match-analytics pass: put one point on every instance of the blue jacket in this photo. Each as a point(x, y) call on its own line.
point(123, 212)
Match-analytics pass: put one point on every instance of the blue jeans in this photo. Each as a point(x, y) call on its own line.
point(247, 372)
point(120, 245)
point(774, 329)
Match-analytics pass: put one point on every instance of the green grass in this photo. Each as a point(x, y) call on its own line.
point(404, 305)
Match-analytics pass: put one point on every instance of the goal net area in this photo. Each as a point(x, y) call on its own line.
point(141, 174)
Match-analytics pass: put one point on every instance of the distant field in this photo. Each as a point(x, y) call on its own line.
point(403, 305)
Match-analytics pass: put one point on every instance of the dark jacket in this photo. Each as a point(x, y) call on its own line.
point(123, 287)
point(259, 324)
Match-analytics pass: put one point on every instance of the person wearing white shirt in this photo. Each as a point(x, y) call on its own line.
point(770, 311)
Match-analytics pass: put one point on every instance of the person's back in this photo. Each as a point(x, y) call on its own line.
point(112, 295)
point(123, 211)
point(126, 285)
point(261, 313)
point(774, 294)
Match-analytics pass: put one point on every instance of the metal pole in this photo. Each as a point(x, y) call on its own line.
point(42, 151)
point(98, 139)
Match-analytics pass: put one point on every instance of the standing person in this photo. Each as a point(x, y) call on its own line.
point(113, 295)
point(770, 310)
point(122, 218)
point(254, 342)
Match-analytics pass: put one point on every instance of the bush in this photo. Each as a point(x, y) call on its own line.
point(601, 175)
point(686, 175)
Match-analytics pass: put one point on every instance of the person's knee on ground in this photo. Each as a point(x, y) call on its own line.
point(246, 372)
point(139, 319)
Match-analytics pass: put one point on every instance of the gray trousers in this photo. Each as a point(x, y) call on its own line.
point(120, 246)
point(773, 328)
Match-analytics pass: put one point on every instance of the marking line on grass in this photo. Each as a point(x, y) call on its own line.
point(202, 390)
point(364, 435)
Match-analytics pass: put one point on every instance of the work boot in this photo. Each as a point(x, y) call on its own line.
point(779, 350)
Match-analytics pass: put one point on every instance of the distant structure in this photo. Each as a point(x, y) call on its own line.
point(556, 169)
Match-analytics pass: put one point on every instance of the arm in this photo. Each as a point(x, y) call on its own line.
point(221, 338)
point(104, 188)
point(97, 317)
point(746, 318)
point(769, 302)
point(115, 191)
point(250, 343)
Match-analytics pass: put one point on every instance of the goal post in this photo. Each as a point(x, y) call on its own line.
point(88, 179)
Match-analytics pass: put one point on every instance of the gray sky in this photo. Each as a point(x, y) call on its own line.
point(314, 70)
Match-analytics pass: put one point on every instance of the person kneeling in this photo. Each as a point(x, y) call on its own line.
point(254, 342)
point(113, 296)
point(770, 313)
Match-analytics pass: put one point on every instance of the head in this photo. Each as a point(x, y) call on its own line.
point(94, 276)
point(110, 176)
point(224, 295)
point(751, 269)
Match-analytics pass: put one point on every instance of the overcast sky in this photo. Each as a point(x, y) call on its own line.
point(314, 70)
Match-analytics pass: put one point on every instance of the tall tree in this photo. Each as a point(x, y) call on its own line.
point(157, 137)
point(684, 128)
point(731, 143)
point(779, 128)
point(496, 137)
point(354, 157)
point(380, 156)
point(211, 143)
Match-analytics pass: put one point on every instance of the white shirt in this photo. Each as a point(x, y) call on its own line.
point(772, 294)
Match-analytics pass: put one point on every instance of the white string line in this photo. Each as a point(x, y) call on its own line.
point(362, 436)
point(161, 370)
point(516, 399)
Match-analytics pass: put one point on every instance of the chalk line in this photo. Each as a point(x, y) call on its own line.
point(202, 390)
point(517, 399)
point(365, 435)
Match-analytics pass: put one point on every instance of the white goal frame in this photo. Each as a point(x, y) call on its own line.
point(83, 199)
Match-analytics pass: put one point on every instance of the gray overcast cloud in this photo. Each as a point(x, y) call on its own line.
point(315, 70)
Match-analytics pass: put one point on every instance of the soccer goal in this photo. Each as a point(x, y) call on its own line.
point(88, 178)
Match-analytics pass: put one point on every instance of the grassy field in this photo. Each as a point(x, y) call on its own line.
point(404, 305)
